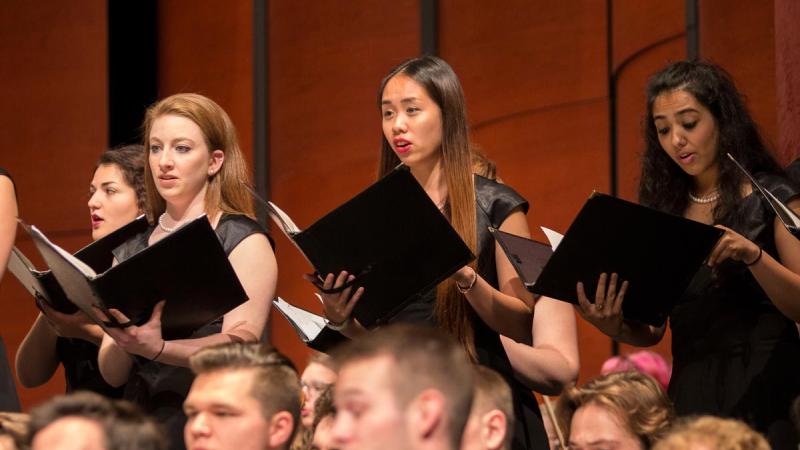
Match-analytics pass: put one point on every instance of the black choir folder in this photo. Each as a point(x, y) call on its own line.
point(657, 253)
point(528, 256)
point(97, 255)
point(391, 236)
point(310, 327)
point(188, 269)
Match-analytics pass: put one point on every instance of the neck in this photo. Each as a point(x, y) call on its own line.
point(432, 178)
point(706, 183)
point(190, 209)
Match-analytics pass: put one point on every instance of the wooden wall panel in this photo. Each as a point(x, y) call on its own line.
point(739, 35)
point(787, 61)
point(534, 74)
point(54, 89)
point(326, 59)
point(207, 48)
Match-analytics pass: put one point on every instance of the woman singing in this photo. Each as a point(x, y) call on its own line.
point(736, 352)
point(194, 166)
point(425, 127)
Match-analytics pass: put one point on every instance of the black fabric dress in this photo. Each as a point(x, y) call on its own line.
point(734, 354)
point(160, 389)
point(81, 372)
point(495, 201)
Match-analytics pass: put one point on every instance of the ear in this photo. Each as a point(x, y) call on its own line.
point(494, 426)
point(280, 429)
point(215, 162)
point(427, 414)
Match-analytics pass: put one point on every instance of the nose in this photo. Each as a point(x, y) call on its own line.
point(399, 126)
point(678, 138)
point(341, 429)
point(165, 162)
point(94, 201)
point(198, 426)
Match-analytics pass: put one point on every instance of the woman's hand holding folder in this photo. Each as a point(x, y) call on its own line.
point(606, 311)
point(76, 325)
point(144, 340)
point(733, 245)
point(338, 303)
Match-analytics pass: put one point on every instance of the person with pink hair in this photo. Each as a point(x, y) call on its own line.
point(644, 361)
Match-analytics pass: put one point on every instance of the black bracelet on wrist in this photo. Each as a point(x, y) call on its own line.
point(758, 258)
point(163, 345)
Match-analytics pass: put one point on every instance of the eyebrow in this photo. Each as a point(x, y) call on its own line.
point(679, 113)
point(405, 100)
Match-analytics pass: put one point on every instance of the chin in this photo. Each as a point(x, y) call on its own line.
point(98, 233)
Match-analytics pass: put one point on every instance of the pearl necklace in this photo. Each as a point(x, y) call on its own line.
point(710, 198)
point(162, 226)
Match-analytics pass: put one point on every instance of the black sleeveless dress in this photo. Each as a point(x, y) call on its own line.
point(160, 389)
point(495, 202)
point(734, 354)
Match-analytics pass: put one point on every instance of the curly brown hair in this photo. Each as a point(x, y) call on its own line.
point(635, 398)
point(713, 433)
point(130, 160)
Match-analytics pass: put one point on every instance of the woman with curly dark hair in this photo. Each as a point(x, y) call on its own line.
point(736, 352)
point(116, 197)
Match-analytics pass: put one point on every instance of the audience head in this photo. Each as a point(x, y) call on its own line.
point(626, 410)
point(13, 430)
point(644, 361)
point(318, 375)
point(712, 433)
point(116, 193)
point(695, 115)
point(424, 120)
point(89, 421)
point(402, 387)
point(245, 396)
point(193, 151)
point(324, 414)
point(491, 419)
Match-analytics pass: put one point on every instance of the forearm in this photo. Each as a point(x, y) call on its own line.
point(115, 363)
point(37, 358)
point(542, 369)
point(8, 221)
point(353, 329)
point(638, 334)
point(93, 334)
point(505, 314)
point(178, 352)
point(781, 285)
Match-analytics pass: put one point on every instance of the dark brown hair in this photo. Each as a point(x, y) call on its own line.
point(130, 160)
point(665, 186)
point(452, 310)
point(276, 384)
point(125, 426)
